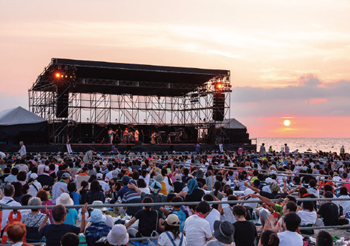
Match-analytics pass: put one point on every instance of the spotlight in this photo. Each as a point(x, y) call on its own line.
point(58, 75)
point(219, 85)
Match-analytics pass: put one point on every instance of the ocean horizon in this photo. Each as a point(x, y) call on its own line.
point(304, 144)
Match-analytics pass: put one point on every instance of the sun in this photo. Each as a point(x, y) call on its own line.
point(286, 122)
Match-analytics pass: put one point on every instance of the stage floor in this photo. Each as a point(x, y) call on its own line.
point(124, 147)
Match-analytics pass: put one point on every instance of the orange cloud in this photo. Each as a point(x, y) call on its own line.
point(317, 100)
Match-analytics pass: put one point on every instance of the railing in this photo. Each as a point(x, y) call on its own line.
point(6, 207)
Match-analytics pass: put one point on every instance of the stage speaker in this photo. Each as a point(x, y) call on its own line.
point(62, 102)
point(219, 107)
point(138, 143)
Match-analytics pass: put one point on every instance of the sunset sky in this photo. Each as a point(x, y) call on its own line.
point(288, 59)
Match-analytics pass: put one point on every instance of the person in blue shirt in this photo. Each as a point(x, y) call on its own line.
point(124, 189)
point(179, 212)
point(72, 188)
point(97, 228)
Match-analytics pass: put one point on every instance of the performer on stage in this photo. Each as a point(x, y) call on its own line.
point(136, 134)
point(153, 138)
point(110, 135)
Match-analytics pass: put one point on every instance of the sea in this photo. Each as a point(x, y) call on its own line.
point(305, 144)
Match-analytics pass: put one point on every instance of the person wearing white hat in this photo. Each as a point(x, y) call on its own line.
point(109, 219)
point(72, 214)
point(35, 186)
point(118, 236)
point(97, 228)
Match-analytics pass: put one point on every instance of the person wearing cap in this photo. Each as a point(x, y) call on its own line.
point(45, 179)
point(104, 185)
point(132, 197)
point(59, 186)
point(97, 228)
point(123, 190)
point(72, 214)
point(35, 186)
point(200, 176)
point(172, 235)
point(118, 236)
point(224, 232)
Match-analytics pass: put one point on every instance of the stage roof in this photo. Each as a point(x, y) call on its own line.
point(121, 78)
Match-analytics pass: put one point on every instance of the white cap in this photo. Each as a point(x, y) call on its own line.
point(99, 176)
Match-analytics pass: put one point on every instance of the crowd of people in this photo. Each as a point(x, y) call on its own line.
point(245, 183)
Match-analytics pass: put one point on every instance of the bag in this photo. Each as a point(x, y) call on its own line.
point(102, 241)
point(33, 232)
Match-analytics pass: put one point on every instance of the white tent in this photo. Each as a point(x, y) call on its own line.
point(20, 124)
point(19, 116)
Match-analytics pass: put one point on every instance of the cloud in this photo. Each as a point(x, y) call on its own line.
point(311, 97)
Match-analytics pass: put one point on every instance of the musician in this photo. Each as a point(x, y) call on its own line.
point(154, 137)
point(126, 132)
point(110, 135)
point(136, 134)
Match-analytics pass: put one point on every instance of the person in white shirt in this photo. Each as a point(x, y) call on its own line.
point(197, 229)
point(307, 214)
point(35, 186)
point(291, 237)
point(214, 214)
point(22, 152)
point(7, 200)
point(345, 204)
point(104, 185)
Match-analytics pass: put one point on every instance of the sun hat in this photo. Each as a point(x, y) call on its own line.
point(172, 220)
point(155, 187)
point(96, 216)
point(115, 174)
point(103, 209)
point(200, 174)
point(178, 177)
point(274, 187)
point(34, 201)
point(99, 176)
point(65, 176)
point(159, 178)
point(64, 199)
point(34, 176)
point(118, 235)
point(224, 231)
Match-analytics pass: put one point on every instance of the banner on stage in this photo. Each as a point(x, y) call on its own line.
point(69, 149)
point(221, 147)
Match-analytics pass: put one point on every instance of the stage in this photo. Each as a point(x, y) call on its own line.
point(107, 148)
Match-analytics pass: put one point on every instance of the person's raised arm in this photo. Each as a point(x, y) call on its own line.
point(265, 200)
point(45, 219)
point(83, 211)
point(294, 190)
point(132, 186)
point(251, 187)
point(284, 189)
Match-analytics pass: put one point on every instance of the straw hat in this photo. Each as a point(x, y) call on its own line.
point(65, 200)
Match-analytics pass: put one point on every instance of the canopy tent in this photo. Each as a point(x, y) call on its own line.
point(19, 124)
